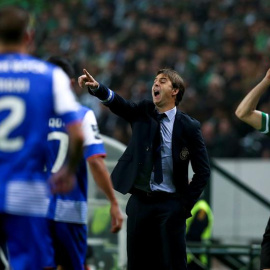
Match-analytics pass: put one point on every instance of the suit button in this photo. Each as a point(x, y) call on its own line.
point(147, 148)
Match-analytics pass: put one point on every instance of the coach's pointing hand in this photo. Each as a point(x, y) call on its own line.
point(87, 80)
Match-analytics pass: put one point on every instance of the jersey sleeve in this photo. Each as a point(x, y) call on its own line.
point(93, 144)
point(265, 124)
point(65, 104)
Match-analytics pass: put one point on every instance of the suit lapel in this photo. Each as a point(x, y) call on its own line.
point(153, 122)
point(153, 126)
point(177, 127)
point(177, 132)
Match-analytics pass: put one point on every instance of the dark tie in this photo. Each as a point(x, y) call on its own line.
point(158, 177)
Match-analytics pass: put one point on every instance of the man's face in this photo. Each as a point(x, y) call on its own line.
point(162, 91)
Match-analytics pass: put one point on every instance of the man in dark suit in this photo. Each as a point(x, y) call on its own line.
point(154, 169)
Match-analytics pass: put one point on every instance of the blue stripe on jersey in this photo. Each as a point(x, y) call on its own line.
point(70, 117)
point(94, 149)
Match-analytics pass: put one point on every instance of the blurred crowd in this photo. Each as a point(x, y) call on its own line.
point(220, 47)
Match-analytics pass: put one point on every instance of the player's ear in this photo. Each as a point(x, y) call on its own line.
point(175, 91)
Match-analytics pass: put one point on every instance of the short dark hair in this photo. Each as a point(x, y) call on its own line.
point(177, 82)
point(14, 22)
point(63, 63)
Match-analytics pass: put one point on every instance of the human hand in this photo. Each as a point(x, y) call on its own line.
point(63, 181)
point(87, 80)
point(117, 218)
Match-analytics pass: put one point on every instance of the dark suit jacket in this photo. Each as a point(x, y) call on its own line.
point(187, 146)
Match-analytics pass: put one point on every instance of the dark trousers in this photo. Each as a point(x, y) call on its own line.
point(156, 229)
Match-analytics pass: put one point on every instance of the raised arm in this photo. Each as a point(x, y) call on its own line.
point(246, 110)
point(118, 105)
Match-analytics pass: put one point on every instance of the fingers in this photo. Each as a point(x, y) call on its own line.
point(87, 74)
point(117, 223)
point(81, 80)
point(90, 81)
point(116, 228)
point(87, 80)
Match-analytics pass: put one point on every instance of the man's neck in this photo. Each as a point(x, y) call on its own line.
point(12, 48)
point(165, 109)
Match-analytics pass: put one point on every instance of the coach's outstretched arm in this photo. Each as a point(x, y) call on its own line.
point(246, 110)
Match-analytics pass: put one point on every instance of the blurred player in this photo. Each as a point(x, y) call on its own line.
point(69, 211)
point(30, 92)
point(247, 112)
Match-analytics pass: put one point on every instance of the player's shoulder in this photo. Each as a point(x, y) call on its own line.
point(25, 63)
point(85, 109)
point(86, 112)
point(36, 64)
point(47, 67)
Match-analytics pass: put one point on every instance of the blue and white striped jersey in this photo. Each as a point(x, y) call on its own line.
point(72, 207)
point(31, 91)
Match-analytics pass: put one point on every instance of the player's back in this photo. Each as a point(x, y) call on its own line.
point(26, 103)
point(72, 207)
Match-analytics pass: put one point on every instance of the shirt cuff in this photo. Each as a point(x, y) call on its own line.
point(93, 91)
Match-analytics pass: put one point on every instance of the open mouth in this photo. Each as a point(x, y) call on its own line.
point(156, 93)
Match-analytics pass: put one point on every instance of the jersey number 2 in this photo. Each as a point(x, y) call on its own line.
point(16, 106)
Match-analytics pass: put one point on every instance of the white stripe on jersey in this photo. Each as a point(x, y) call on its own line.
point(27, 198)
point(90, 129)
point(71, 211)
point(64, 100)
